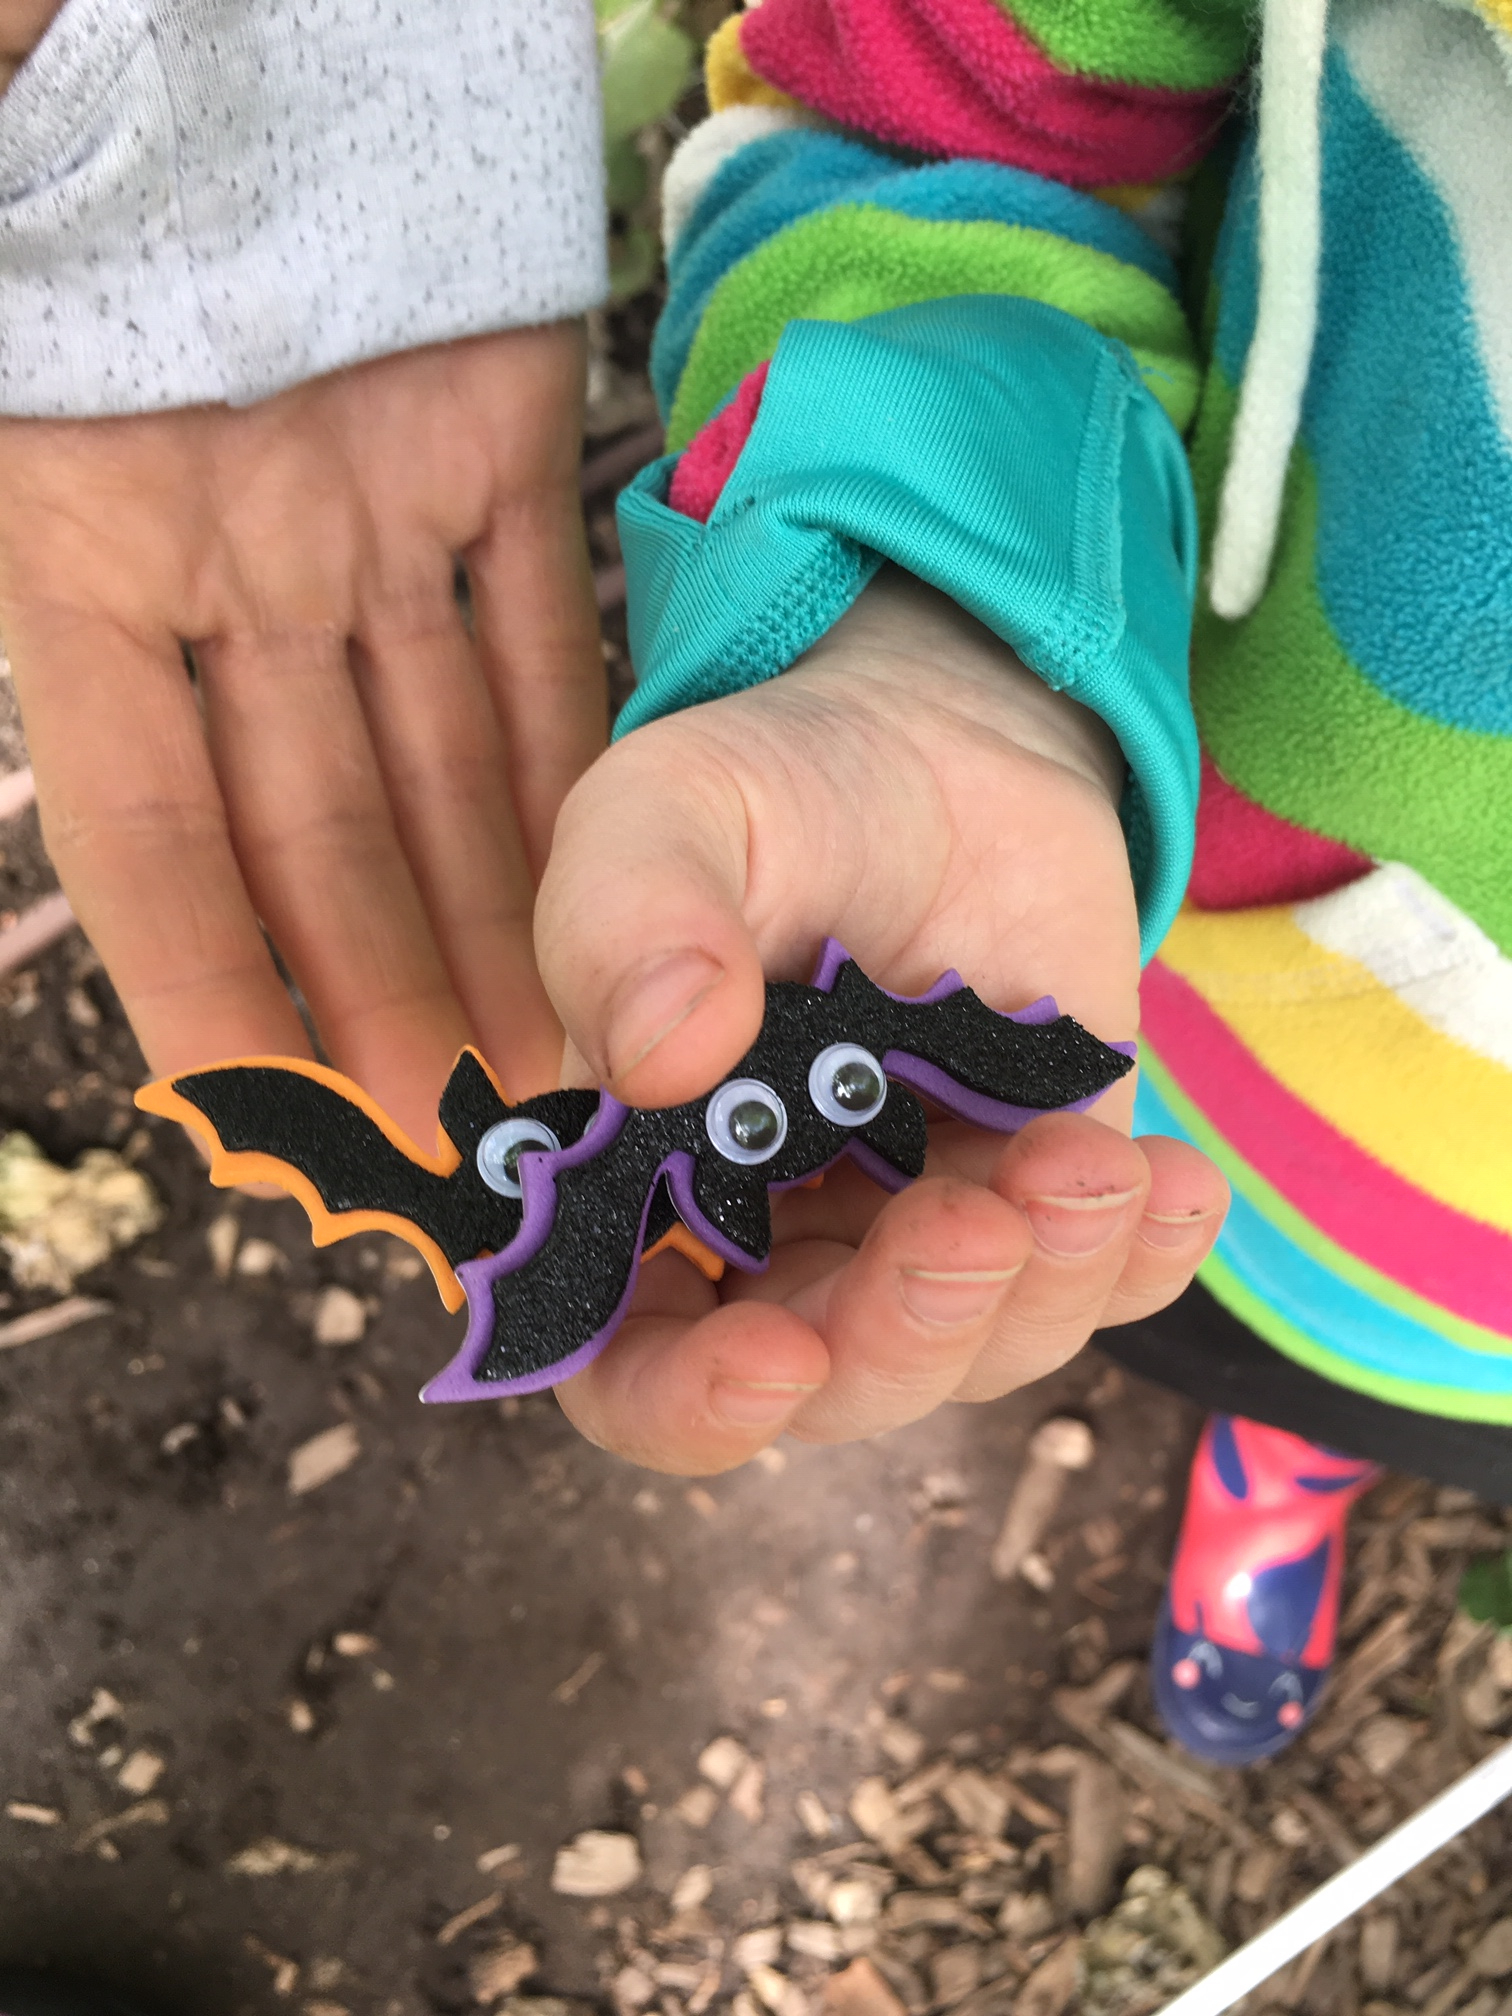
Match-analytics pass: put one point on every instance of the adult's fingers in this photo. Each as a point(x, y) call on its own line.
point(532, 586)
point(441, 751)
point(638, 926)
point(1182, 1217)
point(1082, 1188)
point(322, 859)
point(698, 1397)
point(906, 1317)
point(137, 831)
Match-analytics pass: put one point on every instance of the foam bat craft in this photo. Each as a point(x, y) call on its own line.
point(540, 1214)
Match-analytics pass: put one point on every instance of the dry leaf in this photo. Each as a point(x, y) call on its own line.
point(140, 1773)
point(323, 1457)
point(692, 1888)
point(272, 1857)
point(698, 1805)
point(860, 1991)
point(722, 1761)
point(1049, 1989)
point(979, 1805)
point(596, 1864)
point(499, 1970)
point(746, 1794)
point(340, 1317)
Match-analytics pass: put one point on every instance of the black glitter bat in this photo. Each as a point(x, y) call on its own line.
point(541, 1213)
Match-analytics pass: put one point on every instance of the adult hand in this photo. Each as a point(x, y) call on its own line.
point(22, 26)
point(910, 788)
point(351, 767)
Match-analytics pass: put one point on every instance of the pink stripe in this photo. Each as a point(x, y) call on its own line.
point(1247, 857)
point(959, 77)
point(708, 461)
point(1379, 1217)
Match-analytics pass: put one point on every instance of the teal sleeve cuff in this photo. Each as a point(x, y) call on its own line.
point(1000, 450)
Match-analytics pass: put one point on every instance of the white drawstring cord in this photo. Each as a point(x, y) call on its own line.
point(1280, 354)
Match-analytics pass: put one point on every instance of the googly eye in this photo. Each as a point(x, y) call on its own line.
point(847, 1084)
point(502, 1146)
point(747, 1122)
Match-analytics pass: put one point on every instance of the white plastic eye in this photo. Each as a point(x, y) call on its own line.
point(502, 1146)
point(847, 1084)
point(746, 1120)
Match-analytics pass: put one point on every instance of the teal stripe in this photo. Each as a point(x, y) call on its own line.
point(1382, 1342)
point(773, 183)
point(1414, 564)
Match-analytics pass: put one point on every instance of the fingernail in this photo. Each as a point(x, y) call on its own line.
point(751, 1404)
point(649, 1004)
point(952, 1298)
point(1073, 1227)
point(1170, 1229)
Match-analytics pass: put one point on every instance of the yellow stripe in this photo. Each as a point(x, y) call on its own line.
point(729, 78)
point(1427, 1107)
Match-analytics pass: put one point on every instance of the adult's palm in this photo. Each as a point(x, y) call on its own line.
point(351, 770)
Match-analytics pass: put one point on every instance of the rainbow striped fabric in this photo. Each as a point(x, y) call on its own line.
point(1330, 1015)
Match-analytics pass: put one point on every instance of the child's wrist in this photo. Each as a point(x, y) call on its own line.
point(900, 623)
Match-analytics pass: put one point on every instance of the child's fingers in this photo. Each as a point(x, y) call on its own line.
point(638, 926)
point(1082, 1189)
point(1182, 1217)
point(700, 1397)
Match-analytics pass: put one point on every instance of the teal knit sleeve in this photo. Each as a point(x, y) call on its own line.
point(995, 447)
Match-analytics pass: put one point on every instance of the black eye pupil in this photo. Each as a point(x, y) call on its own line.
point(509, 1161)
point(753, 1124)
point(855, 1086)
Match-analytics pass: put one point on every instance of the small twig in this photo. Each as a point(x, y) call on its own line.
point(473, 1915)
point(145, 1813)
point(18, 789)
point(40, 1323)
point(47, 920)
point(1056, 1448)
point(567, 1691)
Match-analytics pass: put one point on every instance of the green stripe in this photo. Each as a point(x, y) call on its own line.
point(1225, 1286)
point(1288, 1221)
point(1178, 45)
point(856, 260)
point(1290, 719)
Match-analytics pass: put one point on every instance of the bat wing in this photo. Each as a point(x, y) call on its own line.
point(314, 1133)
point(994, 1070)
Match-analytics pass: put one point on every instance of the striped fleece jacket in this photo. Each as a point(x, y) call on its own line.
point(925, 307)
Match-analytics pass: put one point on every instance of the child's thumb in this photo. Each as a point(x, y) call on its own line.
point(639, 931)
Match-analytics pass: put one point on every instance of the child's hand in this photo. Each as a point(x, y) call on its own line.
point(370, 782)
point(910, 788)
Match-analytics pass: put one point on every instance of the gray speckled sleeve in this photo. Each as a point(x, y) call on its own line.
point(213, 199)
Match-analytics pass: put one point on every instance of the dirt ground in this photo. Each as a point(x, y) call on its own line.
point(260, 1748)
point(542, 1615)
